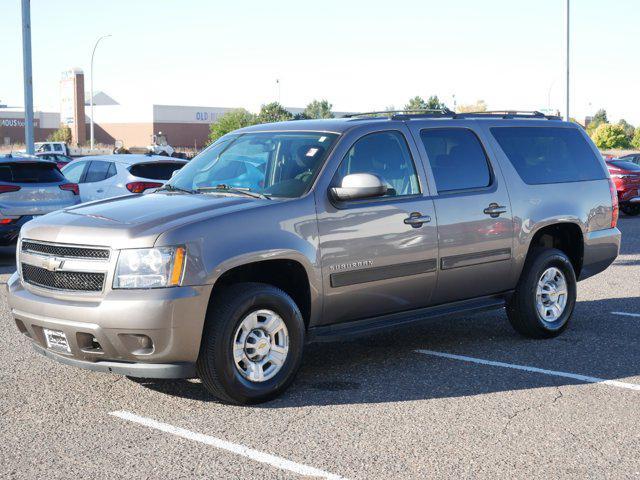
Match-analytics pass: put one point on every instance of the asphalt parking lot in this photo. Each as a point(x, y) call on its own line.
point(452, 398)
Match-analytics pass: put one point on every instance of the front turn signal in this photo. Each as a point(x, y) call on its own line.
point(178, 267)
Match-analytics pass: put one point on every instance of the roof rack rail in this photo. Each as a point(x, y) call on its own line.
point(446, 113)
point(393, 113)
point(505, 114)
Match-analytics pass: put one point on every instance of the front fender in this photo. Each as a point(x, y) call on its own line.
point(282, 230)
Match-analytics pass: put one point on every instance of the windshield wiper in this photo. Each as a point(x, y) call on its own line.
point(172, 188)
point(228, 189)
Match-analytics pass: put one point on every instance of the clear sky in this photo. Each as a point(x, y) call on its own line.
point(359, 54)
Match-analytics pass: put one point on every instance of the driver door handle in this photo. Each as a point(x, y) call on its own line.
point(495, 210)
point(416, 219)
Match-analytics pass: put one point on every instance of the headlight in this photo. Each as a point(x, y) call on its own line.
point(149, 267)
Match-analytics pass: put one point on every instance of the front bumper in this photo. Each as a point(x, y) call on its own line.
point(138, 370)
point(173, 318)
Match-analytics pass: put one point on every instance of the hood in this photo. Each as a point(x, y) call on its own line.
point(133, 220)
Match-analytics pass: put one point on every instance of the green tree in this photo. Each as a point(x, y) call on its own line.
point(479, 106)
point(63, 134)
point(318, 109)
point(629, 130)
point(635, 142)
point(416, 103)
point(608, 136)
point(231, 121)
point(598, 119)
point(273, 112)
point(434, 103)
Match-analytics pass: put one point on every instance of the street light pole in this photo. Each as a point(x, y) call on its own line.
point(568, 39)
point(91, 85)
point(28, 79)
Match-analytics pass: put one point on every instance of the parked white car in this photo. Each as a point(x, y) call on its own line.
point(105, 176)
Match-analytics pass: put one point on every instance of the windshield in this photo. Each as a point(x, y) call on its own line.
point(279, 164)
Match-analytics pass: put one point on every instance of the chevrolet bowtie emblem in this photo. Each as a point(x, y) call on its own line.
point(53, 264)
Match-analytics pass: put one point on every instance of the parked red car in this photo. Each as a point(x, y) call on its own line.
point(626, 176)
point(60, 159)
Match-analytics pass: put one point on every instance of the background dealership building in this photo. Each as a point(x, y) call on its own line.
point(134, 125)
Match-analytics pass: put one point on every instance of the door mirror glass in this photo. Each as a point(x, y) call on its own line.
point(359, 185)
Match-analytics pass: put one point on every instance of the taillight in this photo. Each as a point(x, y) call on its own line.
point(614, 203)
point(139, 187)
point(8, 221)
point(9, 188)
point(71, 187)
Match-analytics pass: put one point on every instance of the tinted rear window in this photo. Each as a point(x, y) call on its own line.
point(30, 172)
point(155, 171)
point(625, 165)
point(549, 154)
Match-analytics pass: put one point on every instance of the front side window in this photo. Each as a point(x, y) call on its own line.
point(57, 147)
point(386, 155)
point(279, 164)
point(457, 159)
point(549, 154)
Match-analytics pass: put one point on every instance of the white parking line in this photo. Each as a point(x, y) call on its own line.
point(626, 314)
point(574, 376)
point(272, 460)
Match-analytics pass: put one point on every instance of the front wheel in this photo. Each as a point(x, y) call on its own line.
point(252, 343)
point(545, 296)
point(630, 209)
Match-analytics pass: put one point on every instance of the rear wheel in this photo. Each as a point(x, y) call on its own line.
point(545, 296)
point(630, 209)
point(252, 343)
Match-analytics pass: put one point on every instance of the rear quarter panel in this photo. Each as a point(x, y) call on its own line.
point(585, 204)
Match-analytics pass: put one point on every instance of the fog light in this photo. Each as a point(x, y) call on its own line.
point(137, 343)
point(88, 343)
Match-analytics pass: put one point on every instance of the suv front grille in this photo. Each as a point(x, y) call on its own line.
point(61, 280)
point(63, 251)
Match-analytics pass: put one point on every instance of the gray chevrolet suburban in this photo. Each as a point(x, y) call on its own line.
point(281, 234)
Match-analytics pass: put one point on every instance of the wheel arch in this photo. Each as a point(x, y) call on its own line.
point(565, 236)
point(287, 270)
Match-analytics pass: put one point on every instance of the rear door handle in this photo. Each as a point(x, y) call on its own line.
point(100, 190)
point(416, 219)
point(495, 210)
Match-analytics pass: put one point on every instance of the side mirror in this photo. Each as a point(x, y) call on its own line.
point(173, 174)
point(359, 185)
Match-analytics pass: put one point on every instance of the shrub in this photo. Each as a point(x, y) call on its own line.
point(63, 134)
point(608, 136)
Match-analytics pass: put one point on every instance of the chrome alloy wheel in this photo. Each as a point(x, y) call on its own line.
point(551, 295)
point(260, 345)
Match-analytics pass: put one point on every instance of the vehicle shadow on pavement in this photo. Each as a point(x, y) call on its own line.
point(7, 260)
point(386, 367)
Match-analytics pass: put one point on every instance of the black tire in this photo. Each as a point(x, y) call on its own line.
point(521, 309)
point(630, 209)
point(216, 367)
